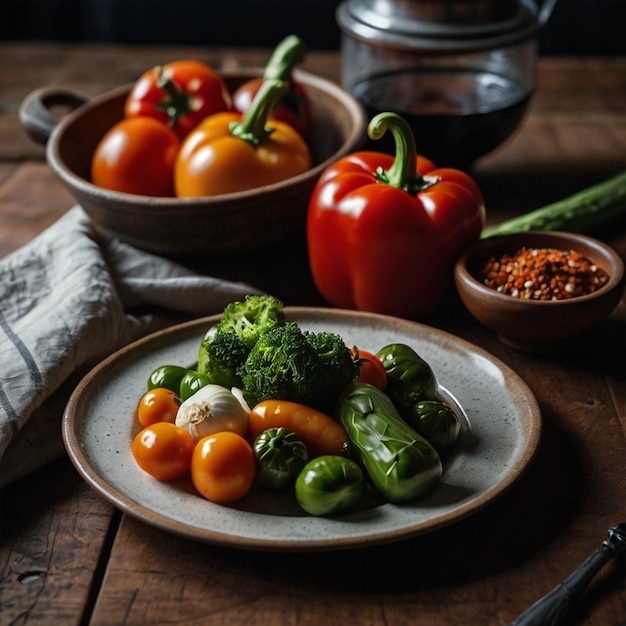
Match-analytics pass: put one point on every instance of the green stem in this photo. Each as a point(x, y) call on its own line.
point(253, 128)
point(176, 102)
point(578, 212)
point(402, 174)
point(287, 54)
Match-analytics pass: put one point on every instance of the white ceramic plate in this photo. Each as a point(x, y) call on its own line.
point(499, 439)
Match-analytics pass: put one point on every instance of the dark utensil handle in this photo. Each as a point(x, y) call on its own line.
point(36, 110)
point(554, 605)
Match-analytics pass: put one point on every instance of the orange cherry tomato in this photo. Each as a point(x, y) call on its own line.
point(163, 450)
point(158, 405)
point(372, 368)
point(137, 155)
point(223, 467)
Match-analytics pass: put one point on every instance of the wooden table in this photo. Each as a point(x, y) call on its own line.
point(69, 557)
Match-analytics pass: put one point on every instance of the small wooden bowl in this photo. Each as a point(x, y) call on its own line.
point(536, 325)
point(220, 225)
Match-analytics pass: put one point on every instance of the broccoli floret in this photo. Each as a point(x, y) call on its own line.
point(220, 356)
point(227, 345)
point(338, 365)
point(289, 364)
point(250, 318)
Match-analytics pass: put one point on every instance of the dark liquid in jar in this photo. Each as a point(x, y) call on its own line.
point(456, 116)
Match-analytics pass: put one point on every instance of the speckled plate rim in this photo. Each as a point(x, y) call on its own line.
point(498, 442)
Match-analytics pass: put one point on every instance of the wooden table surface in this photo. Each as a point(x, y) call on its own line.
point(68, 556)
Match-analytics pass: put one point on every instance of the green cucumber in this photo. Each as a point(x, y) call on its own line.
point(581, 211)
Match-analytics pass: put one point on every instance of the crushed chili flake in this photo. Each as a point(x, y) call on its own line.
point(543, 274)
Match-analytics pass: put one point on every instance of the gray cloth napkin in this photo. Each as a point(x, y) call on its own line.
point(68, 299)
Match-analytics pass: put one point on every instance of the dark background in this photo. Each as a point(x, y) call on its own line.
point(576, 27)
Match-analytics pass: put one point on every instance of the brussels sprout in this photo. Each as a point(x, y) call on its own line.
point(280, 456)
point(330, 485)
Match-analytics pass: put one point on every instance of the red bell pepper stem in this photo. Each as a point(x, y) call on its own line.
point(402, 174)
point(176, 102)
point(287, 54)
point(253, 127)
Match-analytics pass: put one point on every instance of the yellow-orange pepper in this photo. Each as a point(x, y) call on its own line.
point(229, 152)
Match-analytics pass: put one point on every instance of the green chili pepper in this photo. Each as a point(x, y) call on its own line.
point(437, 423)
point(167, 377)
point(280, 455)
point(330, 485)
point(401, 464)
point(191, 382)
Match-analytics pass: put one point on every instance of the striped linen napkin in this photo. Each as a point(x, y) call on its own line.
point(68, 299)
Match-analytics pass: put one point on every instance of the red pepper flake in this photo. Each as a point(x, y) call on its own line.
point(543, 274)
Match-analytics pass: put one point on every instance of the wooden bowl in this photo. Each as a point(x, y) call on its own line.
point(537, 325)
point(219, 225)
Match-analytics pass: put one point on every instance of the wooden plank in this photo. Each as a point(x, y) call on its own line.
point(54, 529)
point(32, 198)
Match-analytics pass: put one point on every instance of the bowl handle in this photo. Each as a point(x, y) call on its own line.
point(36, 110)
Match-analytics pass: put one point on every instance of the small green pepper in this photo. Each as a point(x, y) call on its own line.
point(409, 378)
point(401, 464)
point(191, 382)
point(280, 455)
point(167, 377)
point(330, 485)
point(437, 423)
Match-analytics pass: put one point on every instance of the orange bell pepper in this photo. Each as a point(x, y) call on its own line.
point(230, 152)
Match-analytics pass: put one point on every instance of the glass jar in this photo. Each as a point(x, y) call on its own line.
point(461, 72)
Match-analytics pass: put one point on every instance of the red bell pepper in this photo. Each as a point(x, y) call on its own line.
point(295, 108)
point(180, 94)
point(383, 233)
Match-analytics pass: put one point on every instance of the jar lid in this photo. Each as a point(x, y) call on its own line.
point(439, 25)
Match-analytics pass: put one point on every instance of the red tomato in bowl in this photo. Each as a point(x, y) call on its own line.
point(295, 109)
point(179, 94)
point(137, 155)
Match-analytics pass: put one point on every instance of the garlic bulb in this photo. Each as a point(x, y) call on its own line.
point(212, 409)
point(238, 393)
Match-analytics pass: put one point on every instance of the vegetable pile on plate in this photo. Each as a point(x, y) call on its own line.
point(275, 407)
point(184, 134)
